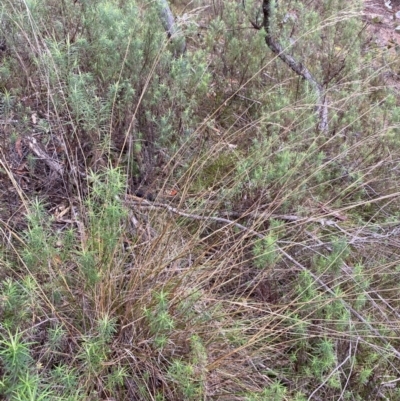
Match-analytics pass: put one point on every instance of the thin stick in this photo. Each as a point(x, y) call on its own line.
point(144, 203)
point(297, 67)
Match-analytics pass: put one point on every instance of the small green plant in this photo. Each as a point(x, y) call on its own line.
point(161, 322)
point(15, 355)
point(21, 380)
point(276, 392)
point(183, 374)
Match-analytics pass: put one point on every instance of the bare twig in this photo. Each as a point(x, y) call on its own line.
point(41, 154)
point(351, 369)
point(297, 67)
point(136, 201)
point(171, 27)
point(353, 239)
point(328, 377)
point(155, 205)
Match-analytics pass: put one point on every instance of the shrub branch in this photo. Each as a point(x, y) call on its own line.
point(296, 66)
point(171, 27)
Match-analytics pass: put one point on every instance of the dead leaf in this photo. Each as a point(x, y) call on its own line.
point(22, 169)
point(18, 147)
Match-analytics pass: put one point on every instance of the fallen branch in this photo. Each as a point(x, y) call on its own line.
point(140, 202)
point(297, 67)
point(37, 149)
point(170, 26)
point(137, 201)
point(353, 239)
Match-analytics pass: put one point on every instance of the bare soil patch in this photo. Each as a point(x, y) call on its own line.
point(382, 19)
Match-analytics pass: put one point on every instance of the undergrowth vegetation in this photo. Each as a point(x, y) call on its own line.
point(177, 226)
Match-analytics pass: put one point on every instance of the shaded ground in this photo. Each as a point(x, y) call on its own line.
point(383, 25)
point(381, 15)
